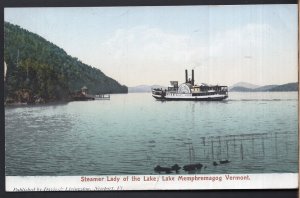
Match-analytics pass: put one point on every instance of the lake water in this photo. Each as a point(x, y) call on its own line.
point(132, 133)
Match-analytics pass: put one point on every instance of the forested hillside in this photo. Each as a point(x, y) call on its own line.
point(39, 70)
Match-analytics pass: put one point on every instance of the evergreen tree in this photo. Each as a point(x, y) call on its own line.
point(39, 69)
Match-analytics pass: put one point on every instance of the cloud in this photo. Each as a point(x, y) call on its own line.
point(147, 50)
point(142, 43)
point(257, 53)
point(245, 52)
point(240, 41)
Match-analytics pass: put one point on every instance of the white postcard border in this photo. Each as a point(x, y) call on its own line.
point(152, 182)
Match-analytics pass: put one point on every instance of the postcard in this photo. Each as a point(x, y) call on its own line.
point(151, 97)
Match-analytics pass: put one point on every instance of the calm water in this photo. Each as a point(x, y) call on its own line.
point(132, 133)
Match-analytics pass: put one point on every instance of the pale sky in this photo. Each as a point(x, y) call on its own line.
point(153, 45)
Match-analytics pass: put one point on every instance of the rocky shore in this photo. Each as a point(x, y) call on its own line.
point(27, 97)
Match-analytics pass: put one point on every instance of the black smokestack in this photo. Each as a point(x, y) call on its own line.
point(193, 80)
point(186, 76)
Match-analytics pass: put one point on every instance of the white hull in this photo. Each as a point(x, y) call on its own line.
point(190, 97)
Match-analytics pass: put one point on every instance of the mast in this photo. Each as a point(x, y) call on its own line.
point(191, 153)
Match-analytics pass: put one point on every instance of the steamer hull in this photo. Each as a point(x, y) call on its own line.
point(218, 98)
point(190, 98)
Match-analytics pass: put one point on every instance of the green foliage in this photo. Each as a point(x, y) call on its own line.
point(46, 70)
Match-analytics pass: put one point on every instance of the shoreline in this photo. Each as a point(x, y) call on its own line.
point(19, 104)
point(45, 103)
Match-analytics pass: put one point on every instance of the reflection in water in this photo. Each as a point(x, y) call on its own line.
point(131, 134)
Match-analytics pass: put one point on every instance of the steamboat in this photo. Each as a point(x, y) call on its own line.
point(190, 91)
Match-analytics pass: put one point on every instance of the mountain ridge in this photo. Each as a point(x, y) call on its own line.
point(144, 88)
point(245, 85)
point(39, 69)
point(233, 88)
point(267, 88)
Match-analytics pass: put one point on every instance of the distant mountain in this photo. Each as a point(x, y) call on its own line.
point(240, 89)
point(265, 88)
point(139, 88)
point(245, 85)
point(143, 88)
point(234, 88)
point(284, 87)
